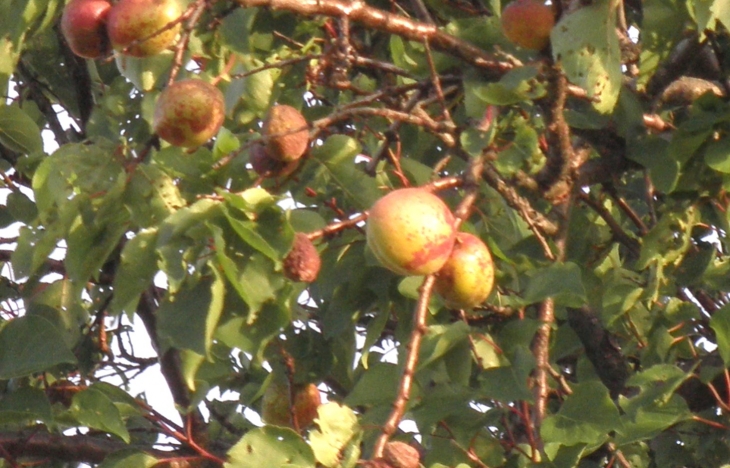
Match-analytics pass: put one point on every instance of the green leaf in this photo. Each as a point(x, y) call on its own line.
point(25, 405)
point(94, 409)
point(336, 441)
point(656, 407)
point(74, 169)
point(669, 239)
point(21, 207)
point(440, 339)
point(377, 386)
point(137, 268)
point(270, 234)
point(252, 277)
point(509, 383)
point(128, 459)
point(515, 86)
point(234, 29)
point(151, 195)
point(18, 131)
point(337, 159)
point(585, 44)
point(717, 155)
point(252, 335)
point(188, 218)
point(147, 72)
point(258, 88)
point(587, 416)
point(720, 323)
point(89, 246)
point(271, 447)
point(188, 319)
point(709, 13)
point(654, 154)
point(561, 281)
point(31, 344)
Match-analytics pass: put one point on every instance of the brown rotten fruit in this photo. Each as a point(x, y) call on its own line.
point(188, 113)
point(83, 25)
point(279, 405)
point(411, 231)
point(287, 133)
point(142, 28)
point(266, 166)
point(527, 23)
point(467, 277)
point(401, 455)
point(302, 263)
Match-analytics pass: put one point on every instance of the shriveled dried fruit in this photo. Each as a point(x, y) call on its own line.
point(302, 263)
point(287, 133)
point(266, 166)
point(401, 455)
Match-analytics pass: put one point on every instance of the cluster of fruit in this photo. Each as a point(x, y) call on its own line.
point(139, 28)
point(411, 232)
point(189, 112)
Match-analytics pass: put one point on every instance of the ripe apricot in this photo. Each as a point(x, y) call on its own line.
point(411, 231)
point(467, 277)
point(528, 23)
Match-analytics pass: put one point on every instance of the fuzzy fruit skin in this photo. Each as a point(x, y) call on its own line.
point(275, 406)
point(411, 231)
point(266, 166)
point(83, 25)
point(188, 113)
point(467, 277)
point(135, 20)
point(288, 133)
point(527, 23)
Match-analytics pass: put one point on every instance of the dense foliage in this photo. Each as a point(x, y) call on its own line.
point(595, 170)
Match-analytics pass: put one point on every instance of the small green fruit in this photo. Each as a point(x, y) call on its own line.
point(411, 231)
point(528, 23)
point(135, 27)
point(287, 133)
point(188, 113)
point(467, 277)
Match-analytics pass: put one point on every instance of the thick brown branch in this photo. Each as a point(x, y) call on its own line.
point(604, 354)
point(373, 18)
point(78, 448)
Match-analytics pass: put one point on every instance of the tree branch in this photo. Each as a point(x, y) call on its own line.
point(373, 18)
point(601, 350)
point(76, 448)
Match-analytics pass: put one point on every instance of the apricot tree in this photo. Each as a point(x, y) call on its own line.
point(594, 169)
